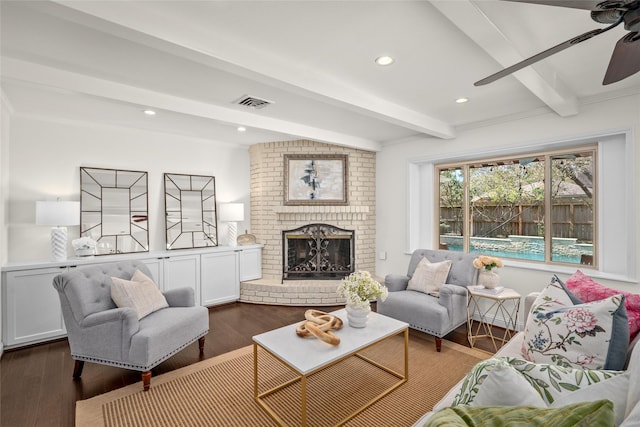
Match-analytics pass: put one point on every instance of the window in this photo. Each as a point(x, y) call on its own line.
point(534, 207)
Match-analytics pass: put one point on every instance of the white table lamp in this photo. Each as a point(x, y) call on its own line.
point(59, 215)
point(231, 213)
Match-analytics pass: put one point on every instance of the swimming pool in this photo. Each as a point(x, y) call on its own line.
point(529, 248)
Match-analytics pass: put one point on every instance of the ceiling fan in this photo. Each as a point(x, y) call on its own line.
point(625, 60)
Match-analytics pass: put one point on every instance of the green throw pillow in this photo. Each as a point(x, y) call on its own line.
point(588, 414)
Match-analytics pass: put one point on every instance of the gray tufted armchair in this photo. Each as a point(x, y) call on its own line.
point(434, 315)
point(100, 332)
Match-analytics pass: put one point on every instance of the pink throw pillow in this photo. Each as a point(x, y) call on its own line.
point(587, 290)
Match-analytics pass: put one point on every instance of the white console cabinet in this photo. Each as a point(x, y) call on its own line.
point(31, 307)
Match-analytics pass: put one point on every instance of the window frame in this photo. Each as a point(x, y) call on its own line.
point(466, 165)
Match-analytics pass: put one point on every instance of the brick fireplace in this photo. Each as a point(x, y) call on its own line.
point(270, 217)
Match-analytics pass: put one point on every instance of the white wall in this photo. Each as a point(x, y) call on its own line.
point(595, 118)
point(45, 159)
point(5, 126)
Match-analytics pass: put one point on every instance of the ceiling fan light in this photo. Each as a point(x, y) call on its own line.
point(462, 100)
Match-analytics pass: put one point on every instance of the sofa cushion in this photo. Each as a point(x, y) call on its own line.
point(165, 332)
point(140, 293)
point(588, 290)
point(594, 414)
point(592, 335)
point(429, 276)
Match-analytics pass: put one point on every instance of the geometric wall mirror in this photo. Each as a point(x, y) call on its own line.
point(190, 209)
point(114, 210)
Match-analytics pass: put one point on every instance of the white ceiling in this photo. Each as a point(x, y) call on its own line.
point(106, 61)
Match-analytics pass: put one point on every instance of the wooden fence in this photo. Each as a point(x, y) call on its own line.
point(569, 220)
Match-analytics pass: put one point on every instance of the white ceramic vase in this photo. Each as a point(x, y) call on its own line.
point(357, 316)
point(489, 279)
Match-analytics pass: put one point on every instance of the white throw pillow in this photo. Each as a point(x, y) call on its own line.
point(140, 293)
point(614, 389)
point(504, 386)
point(633, 394)
point(495, 382)
point(429, 277)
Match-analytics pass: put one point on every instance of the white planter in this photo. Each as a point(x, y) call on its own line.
point(488, 279)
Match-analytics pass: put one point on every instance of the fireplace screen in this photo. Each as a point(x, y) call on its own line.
point(317, 251)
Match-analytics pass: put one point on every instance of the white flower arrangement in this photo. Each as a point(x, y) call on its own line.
point(359, 287)
point(487, 262)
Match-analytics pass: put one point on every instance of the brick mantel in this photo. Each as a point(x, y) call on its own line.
point(322, 213)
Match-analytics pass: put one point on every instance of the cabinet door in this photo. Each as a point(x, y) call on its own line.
point(181, 271)
point(250, 264)
point(220, 278)
point(155, 266)
point(32, 306)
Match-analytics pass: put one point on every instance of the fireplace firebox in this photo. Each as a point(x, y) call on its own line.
point(317, 251)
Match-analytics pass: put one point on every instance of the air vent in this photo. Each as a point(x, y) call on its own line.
point(252, 102)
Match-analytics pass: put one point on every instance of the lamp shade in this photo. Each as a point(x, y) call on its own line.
point(57, 213)
point(231, 212)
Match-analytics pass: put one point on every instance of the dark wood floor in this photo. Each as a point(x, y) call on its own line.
point(36, 386)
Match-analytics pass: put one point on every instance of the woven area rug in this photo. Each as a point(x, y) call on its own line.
point(219, 391)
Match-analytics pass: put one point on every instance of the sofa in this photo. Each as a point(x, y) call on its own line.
point(620, 388)
point(439, 312)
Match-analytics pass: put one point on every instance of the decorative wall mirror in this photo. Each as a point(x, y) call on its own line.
point(114, 210)
point(190, 208)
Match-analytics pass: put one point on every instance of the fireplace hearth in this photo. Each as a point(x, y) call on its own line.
point(317, 251)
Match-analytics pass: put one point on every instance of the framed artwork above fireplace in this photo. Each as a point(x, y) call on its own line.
point(319, 179)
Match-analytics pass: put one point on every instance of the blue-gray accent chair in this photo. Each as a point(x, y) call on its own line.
point(436, 316)
point(100, 332)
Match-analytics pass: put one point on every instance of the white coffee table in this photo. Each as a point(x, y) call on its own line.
point(306, 357)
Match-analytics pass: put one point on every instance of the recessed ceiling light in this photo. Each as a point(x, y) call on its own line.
point(150, 112)
point(384, 60)
point(462, 100)
point(241, 129)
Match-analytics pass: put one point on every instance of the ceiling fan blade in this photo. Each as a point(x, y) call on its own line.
point(625, 60)
point(576, 4)
point(540, 56)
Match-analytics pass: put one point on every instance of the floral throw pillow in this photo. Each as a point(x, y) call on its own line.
point(510, 381)
point(588, 290)
point(592, 335)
